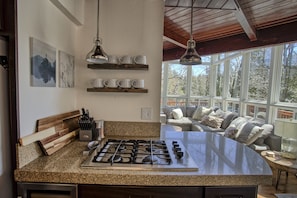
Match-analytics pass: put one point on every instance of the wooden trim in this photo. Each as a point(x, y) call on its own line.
point(269, 36)
point(8, 29)
point(125, 90)
point(119, 66)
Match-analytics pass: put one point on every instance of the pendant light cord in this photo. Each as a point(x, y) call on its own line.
point(192, 20)
point(98, 20)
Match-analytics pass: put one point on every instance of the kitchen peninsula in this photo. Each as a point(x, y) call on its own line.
point(223, 166)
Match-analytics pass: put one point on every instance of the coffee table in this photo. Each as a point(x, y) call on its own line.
point(278, 163)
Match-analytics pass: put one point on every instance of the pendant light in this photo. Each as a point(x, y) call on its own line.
point(97, 54)
point(191, 57)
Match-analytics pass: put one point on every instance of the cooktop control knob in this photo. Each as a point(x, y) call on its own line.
point(174, 142)
point(179, 154)
point(175, 145)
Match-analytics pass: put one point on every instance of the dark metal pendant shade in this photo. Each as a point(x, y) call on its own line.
point(191, 57)
point(97, 54)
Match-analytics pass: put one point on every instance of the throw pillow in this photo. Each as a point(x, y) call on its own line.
point(177, 113)
point(211, 121)
point(238, 122)
point(267, 130)
point(230, 132)
point(228, 119)
point(200, 112)
point(248, 133)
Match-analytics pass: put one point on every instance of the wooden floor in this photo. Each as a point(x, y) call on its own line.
point(289, 186)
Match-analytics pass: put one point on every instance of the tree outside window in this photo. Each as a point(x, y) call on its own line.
point(235, 77)
point(288, 92)
point(200, 80)
point(177, 80)
point(259, 74)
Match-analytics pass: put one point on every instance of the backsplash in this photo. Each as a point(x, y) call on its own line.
point(26, 154)
point(128, 129)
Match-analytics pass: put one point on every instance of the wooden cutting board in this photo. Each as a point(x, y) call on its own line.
point(54, 132)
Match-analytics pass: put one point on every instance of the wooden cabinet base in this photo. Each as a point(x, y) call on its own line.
point(105, 191)
point(101, 191)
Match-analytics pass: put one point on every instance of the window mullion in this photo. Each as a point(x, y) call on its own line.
point(165, 84)
point(189, 84)
point(274, 82)
point(244, 87)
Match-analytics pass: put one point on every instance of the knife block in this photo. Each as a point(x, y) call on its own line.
point(85, 135)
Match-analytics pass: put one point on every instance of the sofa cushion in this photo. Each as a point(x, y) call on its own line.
point(185, 123)
point(218, 113)
point(168, 112)
point(229, 117)
point(177, 113)
point(257, 121)
point(248, 133)
point(200, 112)
point(267, 130)
point(197, 126)
point(231, 132)
point(190, 111)
point(238, 122)
point(211, 121)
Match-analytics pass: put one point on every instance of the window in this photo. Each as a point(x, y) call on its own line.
point(256, 111)
point(237, 81)
point(288, 91)
point(177, 80)
point(285, 113)
point(235, 77)
point(219, 79)
point(259, 74)
point(200, 80)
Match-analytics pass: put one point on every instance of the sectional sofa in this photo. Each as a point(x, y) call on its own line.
point(253, 132)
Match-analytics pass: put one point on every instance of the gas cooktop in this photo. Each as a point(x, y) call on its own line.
point(158, 155)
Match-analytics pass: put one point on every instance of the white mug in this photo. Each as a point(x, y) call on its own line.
point(113, 59)
point(125, 83)
point(126, 59)
point(111, 83)
point(140, 59)
point(137, 83)
point(97, 83)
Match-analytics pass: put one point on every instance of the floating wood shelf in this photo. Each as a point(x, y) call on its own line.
point(130, 90)
point(118, 66)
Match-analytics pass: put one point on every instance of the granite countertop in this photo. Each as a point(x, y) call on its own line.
point(221, 161)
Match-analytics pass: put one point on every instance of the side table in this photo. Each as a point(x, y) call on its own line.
point(279, 164)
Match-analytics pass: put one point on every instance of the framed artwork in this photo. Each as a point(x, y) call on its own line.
point(66, 67)
point(43, 64)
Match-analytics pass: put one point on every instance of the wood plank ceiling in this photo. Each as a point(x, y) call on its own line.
point(227, 25)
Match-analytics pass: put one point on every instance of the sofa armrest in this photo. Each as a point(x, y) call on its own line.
point(274, 142)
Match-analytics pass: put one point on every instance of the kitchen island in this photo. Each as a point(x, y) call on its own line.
point(221, 162)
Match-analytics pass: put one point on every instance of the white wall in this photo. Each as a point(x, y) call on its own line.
point(127, 27)
point(43, 21)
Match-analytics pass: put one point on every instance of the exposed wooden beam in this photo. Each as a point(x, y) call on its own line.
point(269, 36)
point(245, 24)
point(165, 38)
point(172, 36)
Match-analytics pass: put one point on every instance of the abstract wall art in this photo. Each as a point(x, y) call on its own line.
point(66, 70)
point(43, 64)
